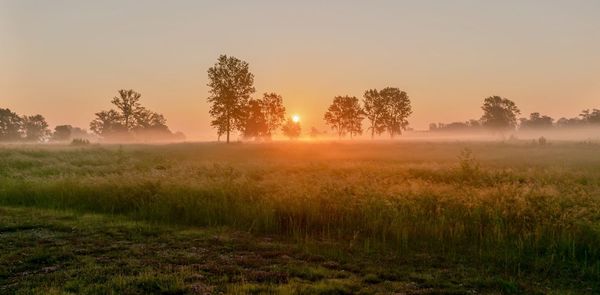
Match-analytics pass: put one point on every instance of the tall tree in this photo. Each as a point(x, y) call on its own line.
point(35, 128)
point(398, 109)
point(499, 113)
point(231, 85)
point(128, 102)
point(345, 116)
point(255, 123)
point(10, 126)
point(375, 111)
point(291, 129)
point(273, 111)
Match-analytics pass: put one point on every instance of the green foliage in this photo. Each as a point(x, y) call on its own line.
point(345, 115)
point(231, 84)
point(499, 113)
point(510, 209)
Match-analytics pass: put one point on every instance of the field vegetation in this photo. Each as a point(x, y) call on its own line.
point(506, 217)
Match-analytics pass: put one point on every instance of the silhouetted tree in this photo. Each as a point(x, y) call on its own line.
point(536, 121)
point(128, 103)
point(108, 123)
point(10, 126)
point(398, 109)
point(499, 113)
point(130, 120)
point(35, 128)
point(273, 111)
point(591, 117)
point(345, 115)
point(292, 129)
point(62, 133)
point(255, 122)
point(231, 85)
point(375, 107)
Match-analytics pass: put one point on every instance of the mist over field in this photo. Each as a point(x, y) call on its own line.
point(299, 147)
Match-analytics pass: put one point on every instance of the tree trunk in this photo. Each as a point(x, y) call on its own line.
point(227, 135)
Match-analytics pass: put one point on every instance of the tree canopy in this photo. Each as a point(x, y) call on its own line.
point(398, 109)
point(130, 120)
point(499, 113)
point(231, 84)
point(345, 115)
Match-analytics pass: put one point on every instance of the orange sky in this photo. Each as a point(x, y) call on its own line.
point(67, 59)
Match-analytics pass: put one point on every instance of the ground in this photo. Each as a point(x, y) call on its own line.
point(418, 218)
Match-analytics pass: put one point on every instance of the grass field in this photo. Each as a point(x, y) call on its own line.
point(330, 218)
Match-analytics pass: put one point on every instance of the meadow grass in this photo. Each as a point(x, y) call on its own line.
point(516, 208)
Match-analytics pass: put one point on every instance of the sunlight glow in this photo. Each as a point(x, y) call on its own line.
point(296, 118)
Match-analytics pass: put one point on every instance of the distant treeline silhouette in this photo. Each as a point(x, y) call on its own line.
point(234, 110)
point(130, 121)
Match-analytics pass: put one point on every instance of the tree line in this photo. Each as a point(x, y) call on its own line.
point(501, 114)
point(233, 109)
point(130, 121)
point(231, 85)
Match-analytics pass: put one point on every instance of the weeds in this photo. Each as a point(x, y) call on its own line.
point(512, 208)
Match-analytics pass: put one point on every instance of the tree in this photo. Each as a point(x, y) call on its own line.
point(35, 128)
point(536, 121)
point(591, 117)
point(128, 102)
point(108, 123)
point(499, 113)
point(291, 129)
point(273, 111)
point(255, 124)
point(345, 115)
point(375, 111)
point(130, 120)
point(231, 85)
point(62, 133)
point(398, 109)
point(10, 126)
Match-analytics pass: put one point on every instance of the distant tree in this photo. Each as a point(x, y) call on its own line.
point(273, 111)
point(570, 122)
point(62, 133)
point(11, 128)
point(375, 107)
point(35, 128)
point(231, 85)
point(128, 103)
point(108, 123)
point(292, 129)
point(345, 116)
point(398, 109)
point(130, 120)
point(591, 117)
point(499, 113)
point(433, 126)
point(536, 121)
point(146, 120)
point(255, 123)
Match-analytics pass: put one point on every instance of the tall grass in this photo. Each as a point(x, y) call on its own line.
point(516, 208)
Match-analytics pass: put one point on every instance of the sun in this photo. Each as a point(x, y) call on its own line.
point(296, 118)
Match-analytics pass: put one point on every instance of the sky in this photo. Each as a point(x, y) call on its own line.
point(67, 59)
